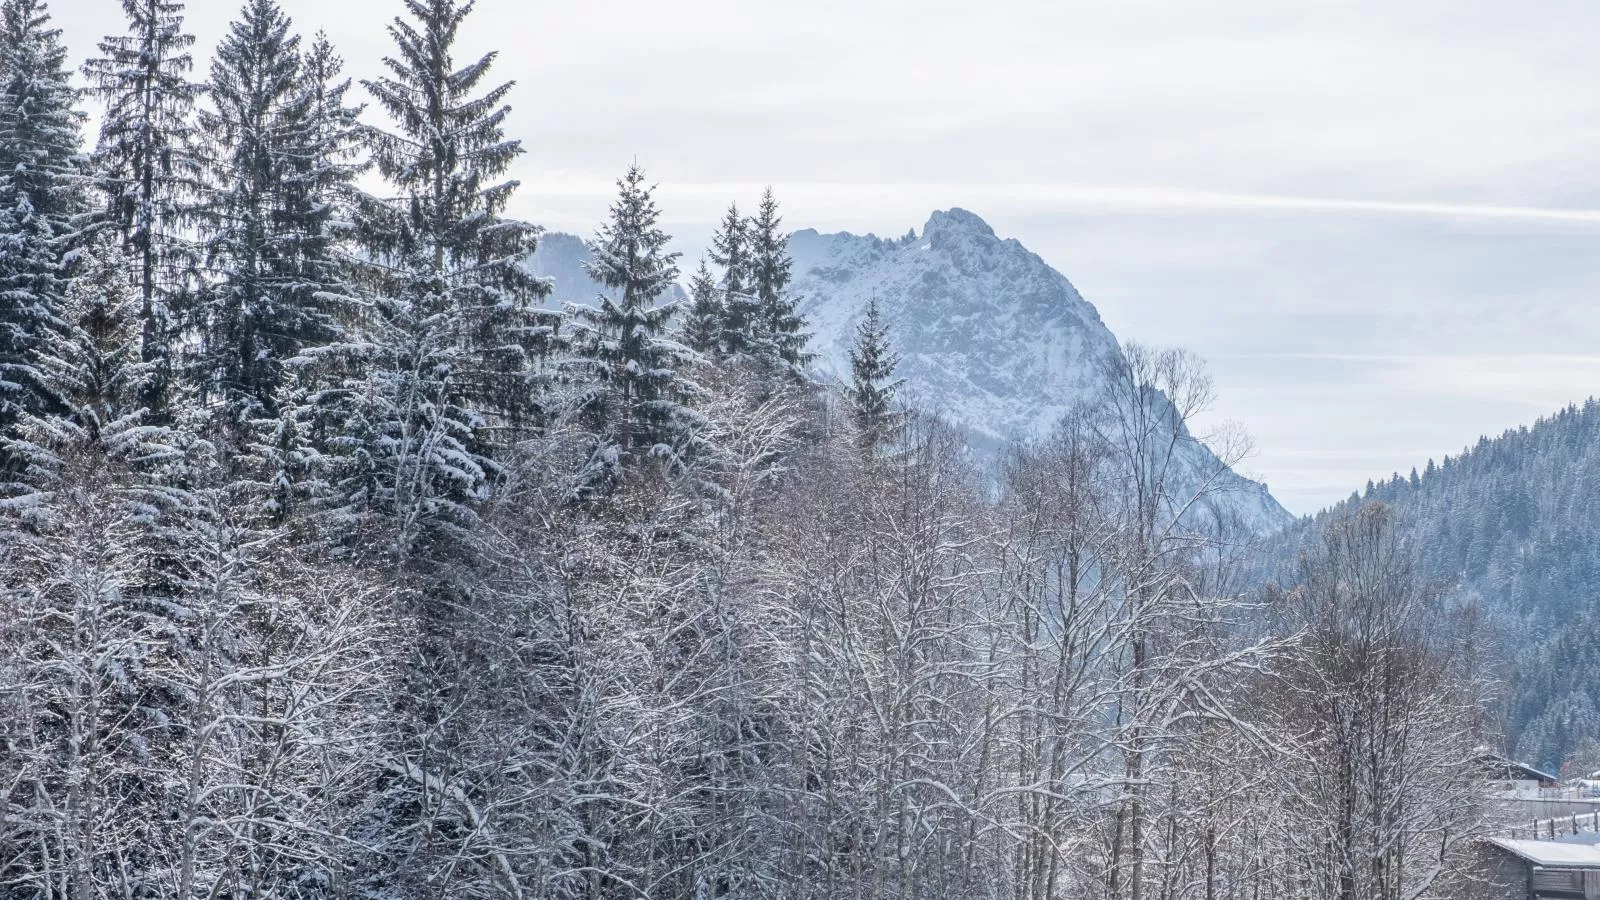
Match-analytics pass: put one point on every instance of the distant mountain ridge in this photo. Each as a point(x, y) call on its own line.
point(990, 336)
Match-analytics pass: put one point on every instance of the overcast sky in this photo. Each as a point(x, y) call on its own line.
point(1378, 221)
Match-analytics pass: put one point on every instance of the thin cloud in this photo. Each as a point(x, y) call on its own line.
point(1477, 358)
point(1083, 196)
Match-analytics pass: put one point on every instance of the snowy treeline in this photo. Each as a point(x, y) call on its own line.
point(335, 565)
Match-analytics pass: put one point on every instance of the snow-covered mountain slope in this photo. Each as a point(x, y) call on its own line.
point(991, 337)
point(560, 258)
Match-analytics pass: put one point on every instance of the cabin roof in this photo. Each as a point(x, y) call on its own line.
point(1497, 766)
point(1554, 854)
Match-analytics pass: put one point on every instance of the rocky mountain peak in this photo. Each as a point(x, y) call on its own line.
point(990, 336)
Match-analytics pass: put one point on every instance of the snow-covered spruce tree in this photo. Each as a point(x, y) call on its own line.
point(872, 383)
point(97, 515)
point(639, 395)
point(702, 327)
point(741, 312)
point(453, 371)
point(452, 379)
point(319, 192)
point(148, 172)
point(780, 326)
point(92, 380)
point(265, 227)
point(41, 192)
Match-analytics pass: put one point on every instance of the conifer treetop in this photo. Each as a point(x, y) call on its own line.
point(40, 122)
point(450, 151)
point(142, 77)
point(873, 385)
point(641, 397)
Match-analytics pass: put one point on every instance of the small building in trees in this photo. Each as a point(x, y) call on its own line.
point(1508, 776)
point(1563, 868)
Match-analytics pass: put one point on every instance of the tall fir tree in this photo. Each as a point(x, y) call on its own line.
point(260, 306)
point(873, 385)
point(640, 396)
point(452, 380)
point(741, 312)
point(702, 327)
point(148, 171)
point(321, 195)
point(455, 370)
point(41, 193)
point(333, 141)
point(779, 324)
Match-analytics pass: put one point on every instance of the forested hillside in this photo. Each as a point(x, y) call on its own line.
point(338, 561)
point(1508, 526)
